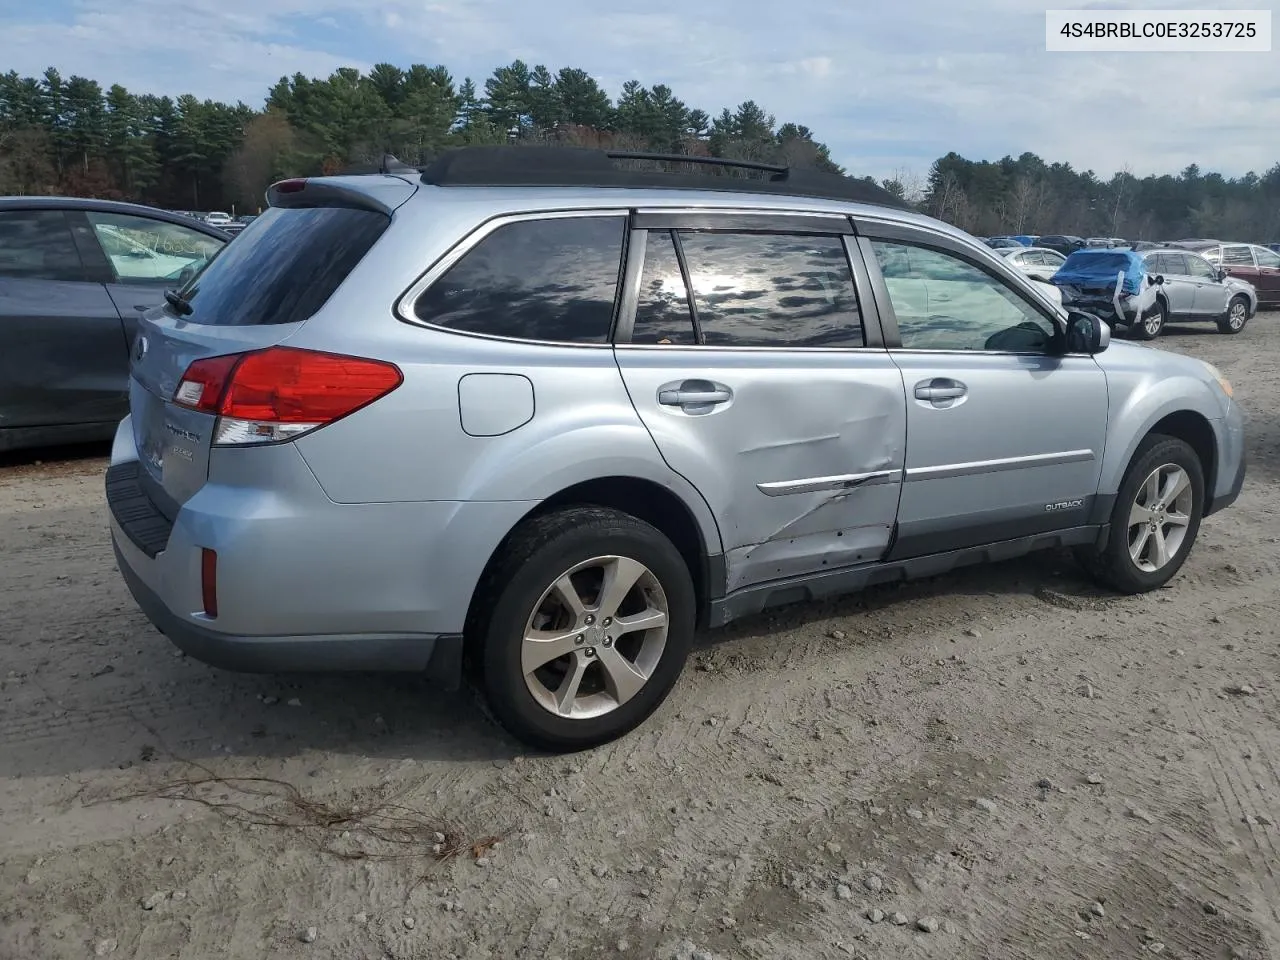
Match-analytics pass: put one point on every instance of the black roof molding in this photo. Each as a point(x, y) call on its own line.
point(511, 166)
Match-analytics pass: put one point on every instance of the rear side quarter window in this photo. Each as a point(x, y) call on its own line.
point(549, 279)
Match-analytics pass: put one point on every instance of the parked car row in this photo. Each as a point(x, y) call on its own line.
point(1142, 291)
point(223, 221)
point(1194, 279)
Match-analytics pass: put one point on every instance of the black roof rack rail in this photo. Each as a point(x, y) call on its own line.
point(387, 164)
point(555, 166)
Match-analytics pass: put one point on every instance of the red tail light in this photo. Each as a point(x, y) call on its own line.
point(282, 392)
point(289, 186)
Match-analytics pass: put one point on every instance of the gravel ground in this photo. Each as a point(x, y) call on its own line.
point(1000, 763)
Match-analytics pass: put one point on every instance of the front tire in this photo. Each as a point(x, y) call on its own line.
point(1236, 317)
point(582, 627)
point(1155, 518)
point(1151, 325)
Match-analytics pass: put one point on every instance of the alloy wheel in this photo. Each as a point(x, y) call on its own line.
point(1237, 315)
point(1160, 517)
point(595, 637)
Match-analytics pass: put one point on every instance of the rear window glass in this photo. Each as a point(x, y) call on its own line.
point(283, 267)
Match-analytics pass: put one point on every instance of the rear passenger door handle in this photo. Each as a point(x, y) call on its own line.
point(694, 395)
point(683, 398)
point(940, 391)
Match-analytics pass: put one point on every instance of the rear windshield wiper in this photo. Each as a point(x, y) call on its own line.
point(179, 303)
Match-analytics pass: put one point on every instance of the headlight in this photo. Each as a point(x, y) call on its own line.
point(1223, 382)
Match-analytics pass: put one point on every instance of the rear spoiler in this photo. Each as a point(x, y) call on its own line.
point(377, 194)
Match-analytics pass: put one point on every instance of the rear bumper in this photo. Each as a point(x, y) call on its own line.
point(439, 656)
point(303, 583)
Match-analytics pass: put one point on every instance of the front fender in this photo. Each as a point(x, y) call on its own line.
point(1249, 292)
point(1140, 400)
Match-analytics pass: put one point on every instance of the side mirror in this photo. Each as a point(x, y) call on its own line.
point(1086, 333)
point(1157, 280)
point(1222, 273)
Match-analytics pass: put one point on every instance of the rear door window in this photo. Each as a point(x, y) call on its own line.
point(771, 290)
point(37, 245)
point(285, 268)
point(551, 279)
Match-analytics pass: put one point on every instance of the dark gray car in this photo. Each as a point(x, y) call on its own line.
point(75, 275)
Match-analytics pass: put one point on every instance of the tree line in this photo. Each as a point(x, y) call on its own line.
point(1028, 195)
point(70, 136)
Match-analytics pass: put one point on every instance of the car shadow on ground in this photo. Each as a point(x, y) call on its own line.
point(71, 714)
point(52, 461)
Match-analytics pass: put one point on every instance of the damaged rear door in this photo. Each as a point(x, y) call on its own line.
point(744, 349)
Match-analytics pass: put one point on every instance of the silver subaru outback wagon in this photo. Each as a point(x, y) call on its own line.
point(532, 418)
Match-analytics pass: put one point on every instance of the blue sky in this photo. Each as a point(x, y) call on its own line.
point(888, 85)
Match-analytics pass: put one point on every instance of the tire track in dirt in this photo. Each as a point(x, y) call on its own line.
point(1243, 802)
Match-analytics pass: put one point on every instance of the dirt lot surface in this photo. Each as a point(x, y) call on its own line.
point(1000, 763)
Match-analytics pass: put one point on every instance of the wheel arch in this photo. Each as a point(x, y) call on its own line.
point(684, 524)
point(1195, 430)
point(1191, 426)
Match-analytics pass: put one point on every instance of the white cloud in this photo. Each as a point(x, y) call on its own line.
point(884, 85)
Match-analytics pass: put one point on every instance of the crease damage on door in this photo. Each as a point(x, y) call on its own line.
point(827, 529)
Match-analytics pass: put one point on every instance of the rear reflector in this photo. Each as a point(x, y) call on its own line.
point(204, 382)
point(282, 392)
point(209, 582)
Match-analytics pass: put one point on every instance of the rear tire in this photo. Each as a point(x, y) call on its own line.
point(553, 666)
point(1236, 317)
point(1155, 518)
point(1151, 325)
